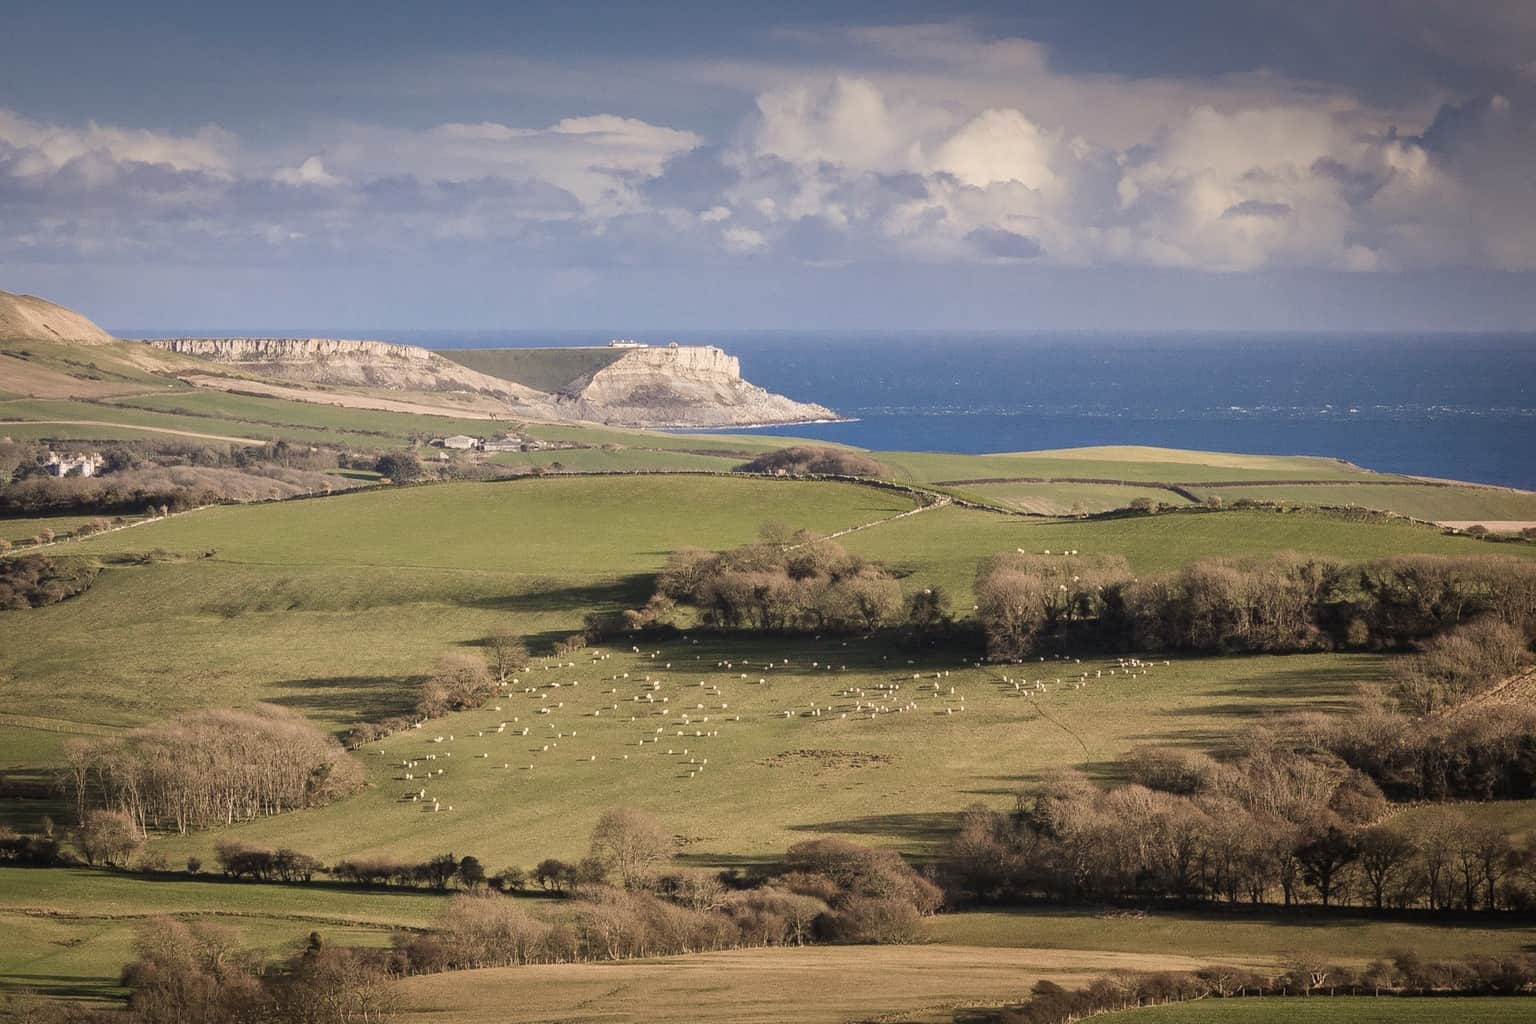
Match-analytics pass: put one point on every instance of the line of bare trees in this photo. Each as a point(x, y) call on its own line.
point(1289, 602)
point(626, 900)
point(208, 768)
point(1286, 821)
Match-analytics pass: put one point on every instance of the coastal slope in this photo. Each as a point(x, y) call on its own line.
point(29, 318)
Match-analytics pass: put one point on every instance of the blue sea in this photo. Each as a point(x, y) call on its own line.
point(1450, 405)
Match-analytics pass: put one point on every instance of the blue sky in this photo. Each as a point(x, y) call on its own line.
point(1098, 165)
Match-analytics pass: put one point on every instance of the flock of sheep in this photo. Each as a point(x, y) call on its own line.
point(663, 718)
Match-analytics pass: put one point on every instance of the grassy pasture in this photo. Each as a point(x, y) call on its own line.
point(1338, 937)
point(607, 459)
point(124, 420)
point(944, 546)
point(891, 778)
point(341, 610)
point(1153, 465)
point(339, 606)
point(547, 369)
point(71, 930)
point(16, 530)
point(1421, 502)
point(1065, 499)
point(360, 426)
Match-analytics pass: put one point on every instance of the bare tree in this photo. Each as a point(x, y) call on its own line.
point(508, 653)
point(631, 844)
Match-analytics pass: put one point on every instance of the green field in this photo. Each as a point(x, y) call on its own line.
point(613, 459)
point(1215, 933)
point(71, 930)
point(546, 369)
point(945, 545)
point(19, 530)
point(1152, 465)
point(1064, 499)
point(338, 607)
point(1421, 502)
point(361, 426)
point(1353, 1010)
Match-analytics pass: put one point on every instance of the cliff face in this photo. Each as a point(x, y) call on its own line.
point(29, 318)
point(348, 363)
point(676, 386)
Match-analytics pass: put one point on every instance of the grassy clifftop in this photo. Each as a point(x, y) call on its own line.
point(546, 369)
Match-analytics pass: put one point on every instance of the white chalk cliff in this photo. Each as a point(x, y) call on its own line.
point(672, 386)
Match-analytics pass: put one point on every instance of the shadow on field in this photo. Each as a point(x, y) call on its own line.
point(351, 698)
point(552, 595)
point(58, 986)
point(933, 827)
point(715, 861)
point(1254, 698)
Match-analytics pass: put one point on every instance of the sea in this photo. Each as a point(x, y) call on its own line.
point(1460, 406)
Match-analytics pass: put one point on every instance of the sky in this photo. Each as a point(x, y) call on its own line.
point(1085, 164)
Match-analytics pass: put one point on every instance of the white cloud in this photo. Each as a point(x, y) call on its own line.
point(311, 172)
point(927, 143)
point(42, 148)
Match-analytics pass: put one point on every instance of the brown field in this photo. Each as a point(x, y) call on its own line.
point(764, 986)
point(1491, 525)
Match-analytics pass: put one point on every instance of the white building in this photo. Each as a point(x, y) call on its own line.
point(78, 464)
point(461, 442)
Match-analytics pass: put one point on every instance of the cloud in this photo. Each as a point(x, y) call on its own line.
point(1004, 244)
point(311, 172)
point(926, 144)
point(45, 148)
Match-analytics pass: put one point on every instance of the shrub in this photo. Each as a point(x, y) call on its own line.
point(461, 681)
point(805, 460)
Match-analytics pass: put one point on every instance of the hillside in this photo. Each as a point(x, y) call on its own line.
point(337, 362)
point(29, 318)
point(548, 369)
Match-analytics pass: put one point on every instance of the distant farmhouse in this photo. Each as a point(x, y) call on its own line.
point(462, 442)
point(78, 464)
point(627, 343)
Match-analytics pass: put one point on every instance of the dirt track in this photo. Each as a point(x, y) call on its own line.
point(132, 426)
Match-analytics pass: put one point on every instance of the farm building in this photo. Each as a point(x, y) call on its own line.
point(462, 442)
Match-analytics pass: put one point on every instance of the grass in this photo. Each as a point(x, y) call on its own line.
point(24, 529)
point(1065, 499)
point(546, 369)
point(1421, 502)
point(365, 426)
point(1337, 937)
point(944, 546)
point(339, 606)
point(898, 779)
point(340, 610)
point(809, 985)
point(1153, 465)
point(616, 459)
point(1343, 1010)
point(71, 930)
